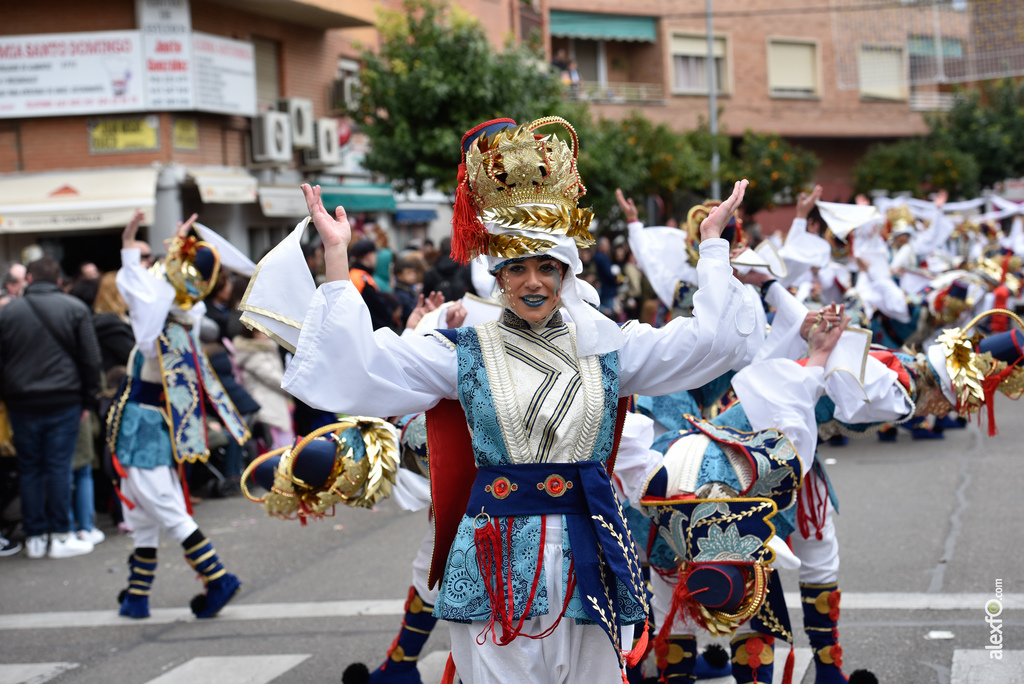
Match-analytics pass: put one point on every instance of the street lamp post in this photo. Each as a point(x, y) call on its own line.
point(716, 185)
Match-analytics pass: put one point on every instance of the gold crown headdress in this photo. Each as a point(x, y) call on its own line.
point(976, 371)
point(506, 169)
point(899, 214)
point(696, 216)
point(192, 267)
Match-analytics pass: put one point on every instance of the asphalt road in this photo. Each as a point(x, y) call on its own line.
point(928, 530)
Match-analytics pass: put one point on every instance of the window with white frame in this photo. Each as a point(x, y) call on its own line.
point(792, 68)
point(268, 79)
point(690, 64)
point(881, 70)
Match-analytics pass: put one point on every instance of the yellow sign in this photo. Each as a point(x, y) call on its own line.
point(185, 134)
point(129, 134)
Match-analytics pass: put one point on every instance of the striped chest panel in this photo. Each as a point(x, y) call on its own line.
point(549, 403)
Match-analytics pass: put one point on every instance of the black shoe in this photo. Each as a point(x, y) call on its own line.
point(9, 548)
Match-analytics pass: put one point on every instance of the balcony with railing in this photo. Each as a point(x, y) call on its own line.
point(619, 93)
point(931, 101)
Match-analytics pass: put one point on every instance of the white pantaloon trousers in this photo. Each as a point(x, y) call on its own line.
point(572, 653)
point(159, 503)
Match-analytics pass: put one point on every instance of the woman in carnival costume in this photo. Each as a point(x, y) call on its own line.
point(158, 422)
point(537, 570)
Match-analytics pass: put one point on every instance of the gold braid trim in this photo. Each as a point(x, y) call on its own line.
point(754, 595)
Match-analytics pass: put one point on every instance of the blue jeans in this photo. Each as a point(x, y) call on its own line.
point(83, 500)
point(46, 444)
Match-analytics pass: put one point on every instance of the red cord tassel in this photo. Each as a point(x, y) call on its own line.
point(639, 651)
point(787, 674)
point(469, 235)
point(812, 506)
point(449, 671)
point(184, 487)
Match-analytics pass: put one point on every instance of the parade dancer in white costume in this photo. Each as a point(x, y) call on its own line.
point(157, 424)
point(538, 550)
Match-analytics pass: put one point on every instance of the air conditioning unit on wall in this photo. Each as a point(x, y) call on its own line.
point(325, 151)
point(272, 137)
point(300, 112)
point(345, 93)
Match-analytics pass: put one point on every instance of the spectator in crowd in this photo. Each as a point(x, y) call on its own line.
point(224, 366)
point(561, 60)
point(85, 290)
point(571, 78)
point(430, 253)
point(113, 329)
point(631, 288)
point(261, 371)
point(408, 282)
point(88, 271)
point(14, 282)
point(83, 491)
point(385, 257)
point(447, 276)
point(363, 259)
point(608, 280)
point(220, 307)
point(49, 378)
point(314, 260)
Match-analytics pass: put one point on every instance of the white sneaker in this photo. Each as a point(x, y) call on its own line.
point(68, 547)
point(93, 536)
point(35, 547)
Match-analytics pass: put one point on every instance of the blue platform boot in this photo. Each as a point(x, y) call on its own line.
point(400, 665)
point(142, 568)
point(821, 623)
point(753, 658)
point(675, 658)
point(221, 585)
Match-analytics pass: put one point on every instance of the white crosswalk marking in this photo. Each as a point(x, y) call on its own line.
point(32, 673)
point(231, 669)
point(431, 666)
point(364, 608)
point(977, 666)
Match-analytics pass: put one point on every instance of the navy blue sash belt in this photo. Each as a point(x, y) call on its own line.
point(150, 393)
point(602, 547)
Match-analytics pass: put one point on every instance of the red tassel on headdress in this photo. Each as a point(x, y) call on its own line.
point(999, 322)
point(469, 236)
point(989, 385)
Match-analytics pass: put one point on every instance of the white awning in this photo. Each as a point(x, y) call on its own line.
point(73, 200)
point(282, 201)
point(223, 185)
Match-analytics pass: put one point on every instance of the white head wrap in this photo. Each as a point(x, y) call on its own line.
point(595, 332)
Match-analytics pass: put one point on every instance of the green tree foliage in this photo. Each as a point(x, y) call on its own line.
point(435, 77)
point(918, 165)
point(776, 169)
point(987, 124)
point(637, 156)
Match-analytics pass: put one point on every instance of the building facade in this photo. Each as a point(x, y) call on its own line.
point(826, 74)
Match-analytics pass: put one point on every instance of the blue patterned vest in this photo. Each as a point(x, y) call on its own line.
point(529, 400)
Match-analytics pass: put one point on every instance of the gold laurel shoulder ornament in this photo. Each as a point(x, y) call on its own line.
point(969, 370)
point(354, 483)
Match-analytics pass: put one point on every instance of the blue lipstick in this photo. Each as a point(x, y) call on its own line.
point(533, 301)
